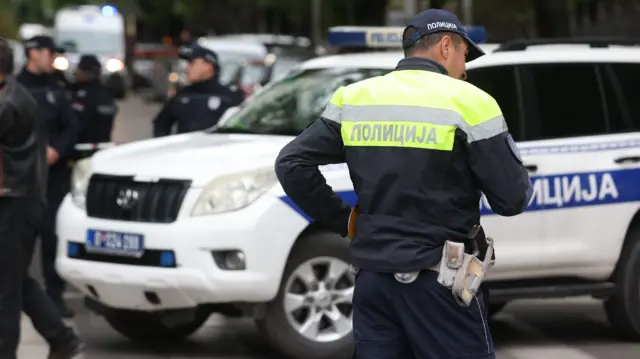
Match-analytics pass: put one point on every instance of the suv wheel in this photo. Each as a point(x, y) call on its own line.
point(622, 308)
point(150, 327)
point(311, 317)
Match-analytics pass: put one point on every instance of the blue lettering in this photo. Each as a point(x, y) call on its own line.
point(578, 190)
point(386, 37)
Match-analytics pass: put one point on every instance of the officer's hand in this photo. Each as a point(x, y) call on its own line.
point(352, 221)
point(52, 156)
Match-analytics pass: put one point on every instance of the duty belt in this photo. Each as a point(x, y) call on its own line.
point(462, 268)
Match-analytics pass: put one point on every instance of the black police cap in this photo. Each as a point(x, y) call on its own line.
point(89, 63)
point(42, 42)
point(435, 20)
point(195, 51)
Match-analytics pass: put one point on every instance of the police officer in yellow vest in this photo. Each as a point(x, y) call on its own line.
point(421, 145)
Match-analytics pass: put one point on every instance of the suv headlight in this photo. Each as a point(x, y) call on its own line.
point(61, 63)
point(233, 192)
point(80, 181)
point(114, 65)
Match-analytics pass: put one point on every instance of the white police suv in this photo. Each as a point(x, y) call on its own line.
point(160, 233)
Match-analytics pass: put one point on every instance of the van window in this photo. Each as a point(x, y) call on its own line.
point(628, 77)
point(500, 82)
point(567, 99)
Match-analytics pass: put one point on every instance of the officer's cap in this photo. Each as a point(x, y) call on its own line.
point(435, 20)
point(42, 42)
point(89, 63)
point(195, 51)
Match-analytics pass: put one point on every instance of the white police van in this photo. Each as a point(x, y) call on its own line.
point(160, 233)
point(95, 30)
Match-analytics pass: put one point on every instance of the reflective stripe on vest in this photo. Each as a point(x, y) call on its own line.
point(393, 111)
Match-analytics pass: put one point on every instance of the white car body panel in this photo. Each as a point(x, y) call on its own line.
point(553, 238)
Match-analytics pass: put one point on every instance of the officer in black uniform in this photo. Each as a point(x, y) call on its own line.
point(63, 126)
point(95, 103)
point(23, 176)
point(421, 147)
point(199, 105)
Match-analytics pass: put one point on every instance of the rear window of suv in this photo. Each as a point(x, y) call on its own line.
point(561, 100)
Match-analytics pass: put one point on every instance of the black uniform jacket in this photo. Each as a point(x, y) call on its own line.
point(23, 144)
point(97, 109)
point(196, 107)
point(411, 199)
point(61, 120)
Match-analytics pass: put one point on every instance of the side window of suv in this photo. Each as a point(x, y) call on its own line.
point(627, 77)
point(567, 99)
point(500, 82)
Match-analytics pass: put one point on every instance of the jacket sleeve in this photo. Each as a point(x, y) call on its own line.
point(298, 173)
point(7, 121)
point(236, 95)
point(83, 110)
point(495, 160)
point(164, 121)
point(70, 123)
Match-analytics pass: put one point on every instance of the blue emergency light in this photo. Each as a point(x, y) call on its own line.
point(167, 259)
point(108, 10)
point(384, 37)
point(73, 249)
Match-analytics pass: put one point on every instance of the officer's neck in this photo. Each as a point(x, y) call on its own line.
point(33, 68)
point(205, 80)
point(421, 63)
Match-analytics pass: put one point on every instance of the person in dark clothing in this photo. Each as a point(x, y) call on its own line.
point(94, 101)
point(62, 126)
point(421, 147)
point(23, 176)
point(199, 105)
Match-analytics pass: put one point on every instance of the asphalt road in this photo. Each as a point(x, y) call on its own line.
point(551, 329)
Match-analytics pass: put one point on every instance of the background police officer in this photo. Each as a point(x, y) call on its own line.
point(62, 129)
point(199, 105)
point(421, 146)
point(94, 101)
point(23, 175)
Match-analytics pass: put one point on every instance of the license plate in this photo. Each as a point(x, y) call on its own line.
point(115, 243)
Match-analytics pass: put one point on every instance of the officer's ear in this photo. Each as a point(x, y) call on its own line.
point(446, 46)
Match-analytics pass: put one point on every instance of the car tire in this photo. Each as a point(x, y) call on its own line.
point(149, 327)
point(622, 307)
point(276, 326)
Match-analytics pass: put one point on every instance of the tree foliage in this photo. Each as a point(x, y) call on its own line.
point(503, 18)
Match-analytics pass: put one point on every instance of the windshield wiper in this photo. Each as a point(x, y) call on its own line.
point(232, 130)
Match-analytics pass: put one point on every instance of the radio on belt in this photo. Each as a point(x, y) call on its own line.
point(384, 37)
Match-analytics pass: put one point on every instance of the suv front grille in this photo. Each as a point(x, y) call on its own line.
point(122, 198)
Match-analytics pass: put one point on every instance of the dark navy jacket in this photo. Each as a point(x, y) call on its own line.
point(421, 147)
point(196, 107)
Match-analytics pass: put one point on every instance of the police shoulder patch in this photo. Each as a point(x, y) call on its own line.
point(51, 97)
point(78, 106)
point(213, 103)
point(514, 148)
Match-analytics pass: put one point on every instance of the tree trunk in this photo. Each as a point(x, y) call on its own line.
point(376, 12)
point(437, 4)
point(552, 18)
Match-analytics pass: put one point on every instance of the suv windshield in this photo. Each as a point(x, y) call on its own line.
point(288, 106)
point(91, 42)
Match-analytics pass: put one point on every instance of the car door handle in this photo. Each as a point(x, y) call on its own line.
point(531, 168)
point(630, 159)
